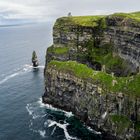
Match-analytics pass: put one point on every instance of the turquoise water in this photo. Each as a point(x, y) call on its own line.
point(22, 114)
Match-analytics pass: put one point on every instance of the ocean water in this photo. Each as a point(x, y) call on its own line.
point(22, 114)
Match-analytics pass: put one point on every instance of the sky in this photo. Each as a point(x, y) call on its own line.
point(22, 11)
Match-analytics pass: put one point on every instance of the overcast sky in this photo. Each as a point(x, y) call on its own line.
point(48, 10)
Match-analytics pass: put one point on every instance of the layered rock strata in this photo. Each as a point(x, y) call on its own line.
point(109, 44)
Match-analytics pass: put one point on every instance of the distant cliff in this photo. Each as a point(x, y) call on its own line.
point(104, 90)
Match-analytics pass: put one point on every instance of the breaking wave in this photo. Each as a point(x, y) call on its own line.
point(62, 126)
point(67, 114)
point(46, 121)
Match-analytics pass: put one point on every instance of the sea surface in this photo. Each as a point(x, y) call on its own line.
point(23, 116)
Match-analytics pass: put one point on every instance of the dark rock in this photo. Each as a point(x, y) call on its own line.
point(34, 59)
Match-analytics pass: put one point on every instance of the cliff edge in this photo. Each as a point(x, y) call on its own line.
point(92, 69)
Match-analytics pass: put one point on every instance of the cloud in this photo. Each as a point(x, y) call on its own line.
point(19, 11)
point(39, 10)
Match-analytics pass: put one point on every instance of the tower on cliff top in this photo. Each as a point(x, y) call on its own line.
point(69, 14)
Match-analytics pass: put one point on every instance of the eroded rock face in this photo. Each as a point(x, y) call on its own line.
point(125, 35)
point(70, 55)
point(74, 36)
point(111, 113)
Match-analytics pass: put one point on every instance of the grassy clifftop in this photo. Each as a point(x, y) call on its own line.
point(134, 16)
point(58, 50)
point(87, 21)
point(96, 53)
point(128, 85)
point(92, 21)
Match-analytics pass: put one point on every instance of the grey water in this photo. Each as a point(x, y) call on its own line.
point(22, 114)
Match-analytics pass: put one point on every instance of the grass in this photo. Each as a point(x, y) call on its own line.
point(119, 119)
point(78, 69)
point(114, 62)
point(137, 126)
point(134, 16)
point(127, 85)
point(134, 85)
point(100, 54)
point(121, 122)
point(87, 21)
point(58, 50)
point(92, 21)
point(104, 56)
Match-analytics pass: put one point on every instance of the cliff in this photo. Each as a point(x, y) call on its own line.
point(92, 69)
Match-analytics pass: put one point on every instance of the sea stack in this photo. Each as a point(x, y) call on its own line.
point(34, 59)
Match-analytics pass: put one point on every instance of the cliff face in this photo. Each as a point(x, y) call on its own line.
point(99, 98)
point(113, 113)
point(125, 36)
point(122, 33)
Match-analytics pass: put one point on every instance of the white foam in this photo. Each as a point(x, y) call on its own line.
point(67, 114)
point(51, 123)
point(62, 126)
point(53, 131)
point(31, 124)
point(35, 113)
point(18, 71)
point(29, 110)
point(27, 68)
point(93, 131)
point(41, 67)
point(104, 115)
point(8, 77)
point(42, 133)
